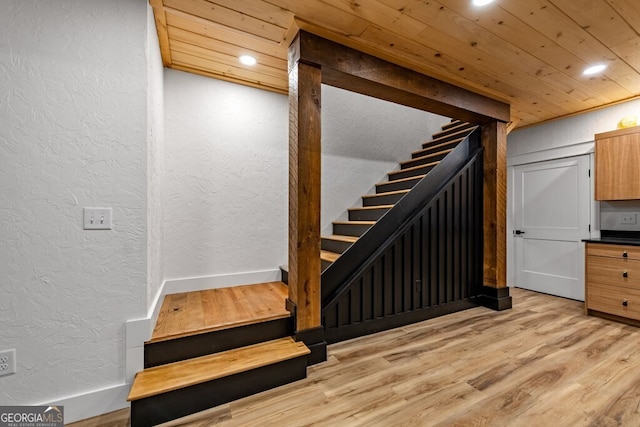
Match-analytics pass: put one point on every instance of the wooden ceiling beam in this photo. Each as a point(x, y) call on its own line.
point(359, 72)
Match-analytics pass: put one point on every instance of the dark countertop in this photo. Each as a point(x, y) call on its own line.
point(631, 238)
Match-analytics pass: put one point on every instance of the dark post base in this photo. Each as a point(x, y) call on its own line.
point(496, 298)
point(313, 338)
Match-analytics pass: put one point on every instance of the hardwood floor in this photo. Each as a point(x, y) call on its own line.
point(543, 363)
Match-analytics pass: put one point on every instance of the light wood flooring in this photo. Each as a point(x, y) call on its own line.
point(542, 363)
point(205, 311)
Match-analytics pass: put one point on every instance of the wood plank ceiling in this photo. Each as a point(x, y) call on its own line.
point(530, 54)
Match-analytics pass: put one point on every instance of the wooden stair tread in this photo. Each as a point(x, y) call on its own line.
point(453, 129)
point(413, 168)
point(388, 193)
point(355, 222)
point(177, 375)
point(191, 313)
point(439, 153)
point(411, 178)
point(364, 208)
point(341, 238)
point(329, 256)
point(437, 146)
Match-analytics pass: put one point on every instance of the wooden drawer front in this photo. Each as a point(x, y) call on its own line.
point(613, 251)
point(608, 299)
point(608, 271)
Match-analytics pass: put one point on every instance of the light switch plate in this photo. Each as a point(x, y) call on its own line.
point(97, 218)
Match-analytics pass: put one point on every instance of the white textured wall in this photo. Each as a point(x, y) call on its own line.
point(225, 197)
point(363, 139)
point(572, 130)
point(155, 161)
point(73, 114)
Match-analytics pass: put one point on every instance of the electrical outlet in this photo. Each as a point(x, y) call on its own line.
point(628, 218)
point(7, 362)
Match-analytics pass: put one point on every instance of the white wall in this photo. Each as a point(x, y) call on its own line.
point(570, 131)
point(225, 192)
point(73, 108)
point(363, 139)
point(155, 161)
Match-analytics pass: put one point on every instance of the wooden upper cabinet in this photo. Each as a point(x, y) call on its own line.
point(618, 164)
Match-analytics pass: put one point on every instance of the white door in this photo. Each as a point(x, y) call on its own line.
point(551, 217)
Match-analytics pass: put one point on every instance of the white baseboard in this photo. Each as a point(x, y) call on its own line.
point(139, 330)
point(92, 404)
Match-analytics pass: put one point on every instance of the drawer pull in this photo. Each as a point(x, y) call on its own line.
point(624, 254)
point(625, 274)
point(624, 303)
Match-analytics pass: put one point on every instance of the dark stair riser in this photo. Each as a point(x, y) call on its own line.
point(434, 157)
point(179, 403)
point(366, 214)
point(409, 173)
point(324, 264)
point(455, 136)
point(350, 229)
point(382, 199)
point(452, 123)
point(453, 130)
point(435, 148)
point(335, 246)
point(397, 185)
point(174, 350)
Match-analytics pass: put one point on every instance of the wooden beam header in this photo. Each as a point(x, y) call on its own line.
point(359, 72)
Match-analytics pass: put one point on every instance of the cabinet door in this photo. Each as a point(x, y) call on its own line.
point(618, 166)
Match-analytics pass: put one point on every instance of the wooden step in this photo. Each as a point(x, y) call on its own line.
point(453, 130)
point(327, 258)
point(398, 184)
point(352, 228)
point(389, 198)
point(193, 324)
point(426, 159)
point(412, 172)
point(461, 134)
point(174, 390)
point(452, 123)
point(369, 213)
point(337, 243)
point(437, 147)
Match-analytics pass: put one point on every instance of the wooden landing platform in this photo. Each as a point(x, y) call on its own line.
point(190, 313)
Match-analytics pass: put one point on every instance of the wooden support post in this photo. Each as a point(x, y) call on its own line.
point(304, 202)
point(494, 142)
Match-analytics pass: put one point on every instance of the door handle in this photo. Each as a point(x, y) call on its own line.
point(518, 232)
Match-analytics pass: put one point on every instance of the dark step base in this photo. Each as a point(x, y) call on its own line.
point(324, 264)
point(409, 173)
point(382, 199)
point(350, 229)
point(359, 214)
point(437, 147)
point(335, 246)
point(452, 130)
point(397, 185)
point(174, 350)
point(430, 158)
point(179, 403)
point(452, 123)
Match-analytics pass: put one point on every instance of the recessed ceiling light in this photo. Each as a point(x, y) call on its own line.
point(248, 60)
point(594, 69)
point(481, 2)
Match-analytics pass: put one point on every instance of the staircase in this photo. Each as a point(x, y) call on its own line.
point(374, 206)
point(212, 347)
point(215, 346)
